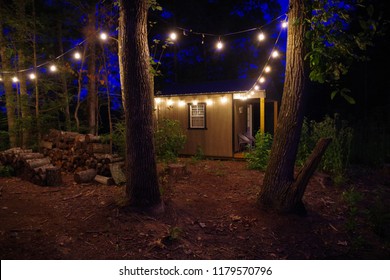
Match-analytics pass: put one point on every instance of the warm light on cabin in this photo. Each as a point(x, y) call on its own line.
point(224, 99)
point(209, 102)
point(170, 102)
point(157, 100)
point(267, 69)
point(181, 103)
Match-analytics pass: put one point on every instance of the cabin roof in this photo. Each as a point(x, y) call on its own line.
point(215, 87)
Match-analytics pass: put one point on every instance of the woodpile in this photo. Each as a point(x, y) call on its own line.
point(79, 154)
point(82, 154)
point(33, 167)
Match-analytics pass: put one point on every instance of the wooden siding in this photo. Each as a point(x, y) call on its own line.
point(216, 140)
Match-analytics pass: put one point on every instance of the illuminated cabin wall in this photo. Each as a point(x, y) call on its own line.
point(216, 140)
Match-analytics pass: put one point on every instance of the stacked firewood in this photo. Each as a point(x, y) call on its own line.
point(84, 155)
point(33, 167)
point(76, 153)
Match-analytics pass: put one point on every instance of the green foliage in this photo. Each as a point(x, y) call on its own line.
point(169, 140)
point(258, 157)
point(333, 45)
point(336, 157)
point(199, 153)
point(6, 171)
point(119, 138)
point(352, 199)
point(4, 140)
point(379, 214)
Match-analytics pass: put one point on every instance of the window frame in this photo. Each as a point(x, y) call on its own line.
point(190, 116)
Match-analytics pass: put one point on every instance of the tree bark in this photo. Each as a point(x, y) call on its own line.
point(280, 190)
point(142, 186)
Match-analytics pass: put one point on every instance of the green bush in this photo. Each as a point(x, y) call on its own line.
point(4, 140)
point(6, 171)
point(336, 158)
point(119, 138)
point(258, 157)
point(169, 140)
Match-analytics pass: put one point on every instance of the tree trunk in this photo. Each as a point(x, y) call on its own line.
point(63, 79)
point(24, 106)
point(280, 190)
point(142, 186)
point(9, 92)
point(92, 92)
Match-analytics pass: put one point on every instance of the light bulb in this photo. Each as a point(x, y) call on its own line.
point(77, 55)
point(182, 103)
point(32, 76)
point(219, 45)
point(53, 68)
point(262, 80)
point(261, 36)
point(223, 99)
point(275, 54)
point(209, 102)
point(15, 79)
point(103, 36)
point(284, 24)
point(256, 87)
point(195, 102)
point(157, 100)
point(173, 36)
point(170, 102)
point(267, 69)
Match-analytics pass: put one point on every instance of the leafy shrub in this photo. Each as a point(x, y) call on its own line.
point(169, 140)
point(258, 157)
point(336, 157)
point(4, 140)
point(6, 171)
point(119, 138)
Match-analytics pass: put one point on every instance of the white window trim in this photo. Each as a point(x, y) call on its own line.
point(199, 116)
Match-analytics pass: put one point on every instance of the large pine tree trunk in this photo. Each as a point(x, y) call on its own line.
point(142, 183)
point(281, 191)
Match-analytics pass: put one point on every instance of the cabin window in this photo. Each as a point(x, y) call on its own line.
point(197, 116)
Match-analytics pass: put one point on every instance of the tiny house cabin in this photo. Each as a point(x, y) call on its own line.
point(214, 115)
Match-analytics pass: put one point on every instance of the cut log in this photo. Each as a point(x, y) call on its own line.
point(104, 180)
point(117, 173)
point(98, 148)
point(53, 176)
point(177, 170)
point(90, 138)
point(34, 163)
point(46, 144)
point(26, 156)
point(85, 176)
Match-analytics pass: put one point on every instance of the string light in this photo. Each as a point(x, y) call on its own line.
point(223, 99)
point(182, 103)
point(195, 102)
point(157, 100)
point(209, 102)
point(261, 36)
point(257, 87)
point(170, 102)
point(219, 45)
point(173, 36)
point(77, 55)
point(103, 36)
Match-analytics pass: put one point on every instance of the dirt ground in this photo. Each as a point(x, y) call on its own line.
point(210, 214)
